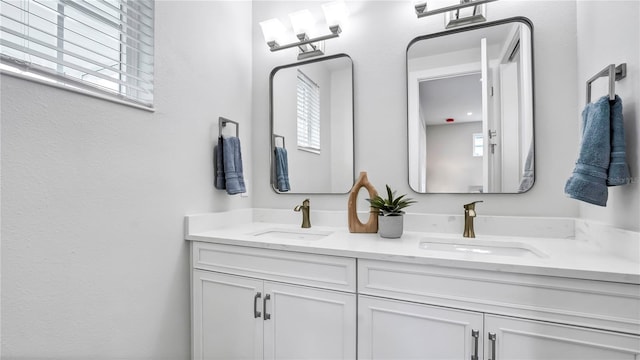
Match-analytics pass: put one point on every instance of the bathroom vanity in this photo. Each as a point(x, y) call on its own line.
point(252, 303)
point(275, 291)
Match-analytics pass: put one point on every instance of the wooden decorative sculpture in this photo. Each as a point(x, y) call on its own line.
point(355, 226)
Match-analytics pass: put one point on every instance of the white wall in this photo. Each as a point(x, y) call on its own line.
point(376, 38)
point(94, 265)
point(341, 129)
point(451, 166)
point(610, 34)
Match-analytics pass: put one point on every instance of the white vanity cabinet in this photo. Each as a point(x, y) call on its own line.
point(258, 303)
point(523, 339)
point(266, 304)
point(391, 329)
point(224, 325)
point(410, 311)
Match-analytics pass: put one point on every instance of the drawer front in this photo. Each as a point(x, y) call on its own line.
point(604, 305)
point(323, 271)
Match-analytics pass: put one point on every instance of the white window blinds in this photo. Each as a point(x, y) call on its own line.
point(308, 114)
point(100, 46)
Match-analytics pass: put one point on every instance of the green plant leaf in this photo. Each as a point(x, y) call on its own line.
point(391, 205)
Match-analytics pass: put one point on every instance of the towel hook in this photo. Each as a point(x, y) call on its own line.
point(222, 122)
point(614, 73)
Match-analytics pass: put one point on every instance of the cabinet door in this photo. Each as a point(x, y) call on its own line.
point(225, 325)
point(398, 330)
point(528, 339)
point(308, 323)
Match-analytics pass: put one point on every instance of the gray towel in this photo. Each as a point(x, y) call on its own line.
point(219, 181)
point(528, 175)
point(589, 179)
point(618, 173)
point(232, 159)
point(282, 169)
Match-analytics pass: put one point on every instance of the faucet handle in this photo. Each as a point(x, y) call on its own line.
point(471, 205)
point(305, 205)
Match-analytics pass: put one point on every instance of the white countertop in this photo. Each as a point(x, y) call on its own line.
point(559, 257)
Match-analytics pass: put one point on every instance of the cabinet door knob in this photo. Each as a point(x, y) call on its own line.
point(475, 334)
point(256, 313)
point(492, 338)
point(267, 316)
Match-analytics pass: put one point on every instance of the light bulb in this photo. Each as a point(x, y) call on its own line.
point(335, 13)
point(302, 22)
point(273, 30)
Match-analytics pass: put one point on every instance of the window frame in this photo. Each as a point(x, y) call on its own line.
point(308, 114)
point(127, 77)
point(475, 146)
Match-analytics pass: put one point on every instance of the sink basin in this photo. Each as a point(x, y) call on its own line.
point(480, 247)
point(295, 234)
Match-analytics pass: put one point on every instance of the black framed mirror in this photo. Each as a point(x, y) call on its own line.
point(470, 109)
point(312, 126)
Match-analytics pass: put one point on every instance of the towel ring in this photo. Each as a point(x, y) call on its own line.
point(222, 122)
point(614, 73)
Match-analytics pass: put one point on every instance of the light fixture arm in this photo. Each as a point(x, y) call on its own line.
point(420, 8)
point(274, 46)
point(303, 24)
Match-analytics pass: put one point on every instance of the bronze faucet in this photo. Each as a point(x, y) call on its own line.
point(306, 222)
point(469, 214)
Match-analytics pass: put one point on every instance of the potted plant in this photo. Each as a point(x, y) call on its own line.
point(390, 220)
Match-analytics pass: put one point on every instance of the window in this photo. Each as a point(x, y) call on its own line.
point(308, 114)
point(101, 46)
point(478, 144)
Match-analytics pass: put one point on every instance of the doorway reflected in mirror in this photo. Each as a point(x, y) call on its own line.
point(470, 109)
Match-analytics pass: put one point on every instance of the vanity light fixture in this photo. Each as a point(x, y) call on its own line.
point(453, 14)
point(303, 25)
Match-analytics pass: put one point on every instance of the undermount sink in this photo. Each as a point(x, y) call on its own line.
point(480, 246)
point(295, 234)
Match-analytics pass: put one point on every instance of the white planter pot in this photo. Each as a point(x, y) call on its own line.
point(390, 226)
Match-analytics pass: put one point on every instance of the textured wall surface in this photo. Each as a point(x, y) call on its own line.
point(94, 265)
point(610, 34)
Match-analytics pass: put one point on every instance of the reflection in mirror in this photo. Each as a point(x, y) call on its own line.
point(312, 126)
point(470, 109)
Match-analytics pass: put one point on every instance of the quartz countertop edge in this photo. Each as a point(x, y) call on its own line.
point(567, 258)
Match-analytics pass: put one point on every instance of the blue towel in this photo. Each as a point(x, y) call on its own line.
point(282, 169)
point(589, 179)
point(219, 181)
point(232, 160)
point(618, 168)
